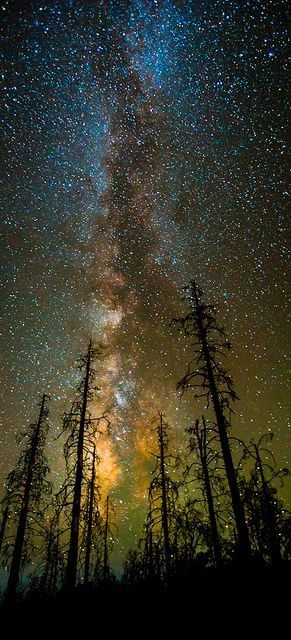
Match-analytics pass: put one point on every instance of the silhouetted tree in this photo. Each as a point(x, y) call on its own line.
point(201, 440)
point(52, 562)
point(210, 379)
point(163, 494)
point(93, 519)
point(28, 486)
point(134, 571)
point(191, 536)
point(83, 432)
point(264, 512)
point(104, 544)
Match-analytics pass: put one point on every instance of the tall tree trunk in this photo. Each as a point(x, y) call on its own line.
point(90, 522)
point(20, 534)
point(71, 568)
point(209, 497)
point(244, 550)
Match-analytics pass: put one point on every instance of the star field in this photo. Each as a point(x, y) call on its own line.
point(144, 144)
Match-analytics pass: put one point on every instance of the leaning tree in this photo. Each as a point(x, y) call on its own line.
point(28, 488)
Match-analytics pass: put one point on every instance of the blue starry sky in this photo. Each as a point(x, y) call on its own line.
point(143, 144)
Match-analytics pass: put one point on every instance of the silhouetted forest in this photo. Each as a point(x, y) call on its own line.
point(216, 533)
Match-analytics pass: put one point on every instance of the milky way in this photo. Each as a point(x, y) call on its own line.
point(144, 145)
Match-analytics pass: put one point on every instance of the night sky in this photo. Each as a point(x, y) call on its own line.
point(144, 144)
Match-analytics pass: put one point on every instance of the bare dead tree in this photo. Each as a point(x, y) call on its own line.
point(209, 379)
point(201, 442)
point(83, 430)
point(93, 519)
point(51, 563)
point(28, 486)
point(265, 515)
point(163, 494)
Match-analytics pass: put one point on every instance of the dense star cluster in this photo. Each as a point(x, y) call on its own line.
point(144, 144)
